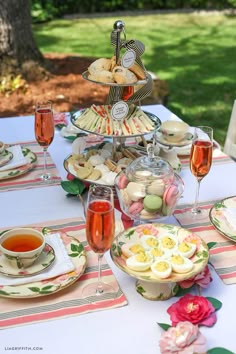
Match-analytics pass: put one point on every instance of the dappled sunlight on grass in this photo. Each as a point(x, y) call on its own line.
point(194, 53)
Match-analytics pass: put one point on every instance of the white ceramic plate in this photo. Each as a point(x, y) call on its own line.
point(218, 219)
point(18, 171)
point(75, 116)
point(85, 75)
point(44, 261)
point(5, 157)
point(199, 259)
point(162, 140)
point(78, 256)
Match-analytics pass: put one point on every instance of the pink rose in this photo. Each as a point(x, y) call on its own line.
point(203, 279)
point(195, 309)
point(185, 338)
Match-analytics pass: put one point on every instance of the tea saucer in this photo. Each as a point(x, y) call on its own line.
point(44, 261)
point(160, 138)
point(5, 157)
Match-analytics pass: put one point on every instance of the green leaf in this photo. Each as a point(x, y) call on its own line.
point(219, 351)
point(3, 293)
point(164, 326)
point(216, 303)
point(77, 248)
point(34, 289)
point(74, 187)
point(73, 255)
point(183, 291)
point(211, 245)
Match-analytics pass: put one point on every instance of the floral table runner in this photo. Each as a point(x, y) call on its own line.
point(223, 254)
point(30, 179)
point(67, 302)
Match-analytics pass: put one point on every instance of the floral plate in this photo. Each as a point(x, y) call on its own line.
point(218, 219)
point(78, 256)
point(44, 261)
point(160, 138)
point(18, 171)
point(5, 157)
point(148, 284)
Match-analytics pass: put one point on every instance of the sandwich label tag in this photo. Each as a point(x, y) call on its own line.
point(119, 110)
point(128, 58)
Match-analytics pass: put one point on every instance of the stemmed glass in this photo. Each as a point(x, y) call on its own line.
point(44, 132)
point(200, 161)
point(100, 230)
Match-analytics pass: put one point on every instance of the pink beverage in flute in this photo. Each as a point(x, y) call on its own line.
point(44, 126)
point(100, 225)
point(201, 158)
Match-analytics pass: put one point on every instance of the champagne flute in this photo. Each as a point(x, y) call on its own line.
point(100, 230)
point(44, 132)
point(200, 161)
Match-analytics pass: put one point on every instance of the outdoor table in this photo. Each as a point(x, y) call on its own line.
point(129, 329)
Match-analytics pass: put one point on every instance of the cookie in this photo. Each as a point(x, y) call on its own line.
point(85, 171)
point(124, 76)
point(95, 175)
point(138, 71)
point(99, 65)
point(152, 203)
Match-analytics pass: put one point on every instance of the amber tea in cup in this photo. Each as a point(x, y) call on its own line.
point(22, 246)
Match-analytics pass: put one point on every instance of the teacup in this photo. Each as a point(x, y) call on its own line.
point(2, 147)
point(174, 131)
point(22, 246)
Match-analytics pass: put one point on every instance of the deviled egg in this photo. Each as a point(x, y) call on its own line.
point(162, 268)
point(169, 244)
point(157, 252)
point(130, 249)
point(181, 264)
point(149, 241)
point(187, 249)
point(139, 262)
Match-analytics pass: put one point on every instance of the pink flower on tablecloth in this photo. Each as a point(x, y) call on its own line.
point(185, 338)
point(195, 309)
point(60, 118)
point(147, 229)
point(202, 279)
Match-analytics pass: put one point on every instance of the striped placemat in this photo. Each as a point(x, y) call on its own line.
point(67, 302)
point(30, 179)
point(223, 254)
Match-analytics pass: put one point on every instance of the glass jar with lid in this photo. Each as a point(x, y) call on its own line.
point(148, 189)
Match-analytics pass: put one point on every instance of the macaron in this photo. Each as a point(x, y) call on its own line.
point(171, 195)
point(136, 191)
point(135, 208)
point(152, 203)
point(123, 181)
point(144, 214)
point(157, 188)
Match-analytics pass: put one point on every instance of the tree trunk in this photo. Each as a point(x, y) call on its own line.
point(17, 44)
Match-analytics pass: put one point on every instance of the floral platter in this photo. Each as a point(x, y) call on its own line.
point(147, 284)
point(218, 218)
point(45, 287)
point(5, 157)
point(45, 260)
point(18, 171)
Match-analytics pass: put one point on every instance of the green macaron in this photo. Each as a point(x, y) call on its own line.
point(152, 203)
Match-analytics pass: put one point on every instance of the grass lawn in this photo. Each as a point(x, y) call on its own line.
point(194, 53)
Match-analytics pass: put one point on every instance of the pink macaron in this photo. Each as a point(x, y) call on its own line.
point(135, 208)
point(171, 195)
point(123, 181)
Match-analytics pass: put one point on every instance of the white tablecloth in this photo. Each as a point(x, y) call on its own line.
point(131, 329)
